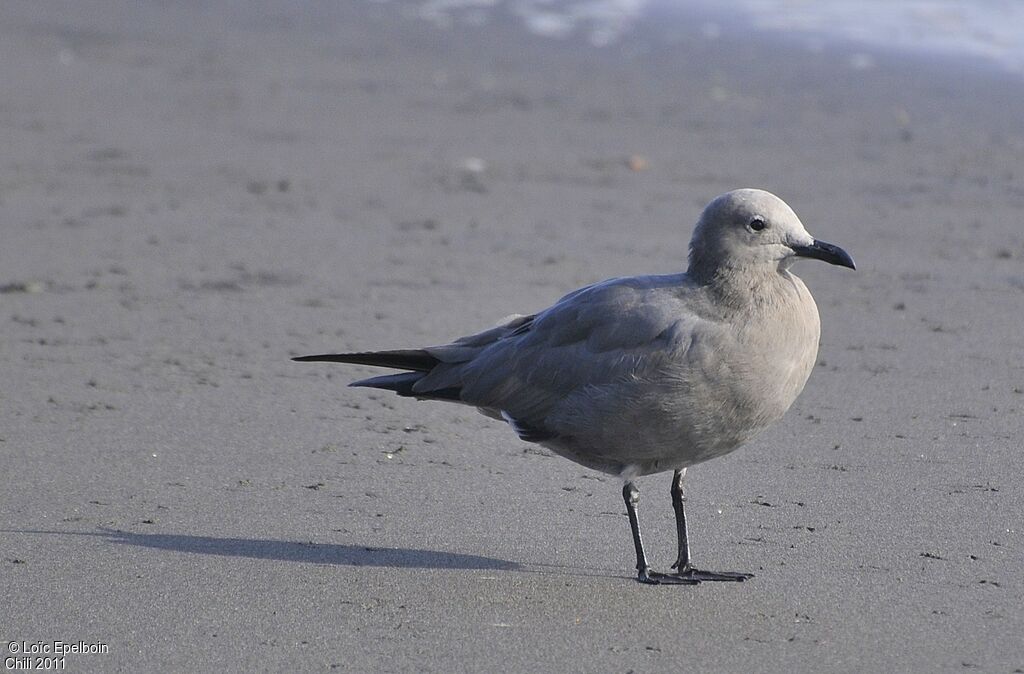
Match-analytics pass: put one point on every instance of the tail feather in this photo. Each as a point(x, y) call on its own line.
point(416, 360)
point(402, 385)
point(399, 383)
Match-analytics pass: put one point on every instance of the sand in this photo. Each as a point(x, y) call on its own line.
point(191, 196)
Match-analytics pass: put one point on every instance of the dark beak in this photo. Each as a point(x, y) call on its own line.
point(820, 250)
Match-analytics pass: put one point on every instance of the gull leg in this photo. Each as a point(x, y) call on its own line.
point(684, 569)
point(682, 564)
point(631, 495)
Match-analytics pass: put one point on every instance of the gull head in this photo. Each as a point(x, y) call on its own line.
point(753, 229)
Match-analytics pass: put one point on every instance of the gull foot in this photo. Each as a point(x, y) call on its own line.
point(649, 577)
point(714, 576)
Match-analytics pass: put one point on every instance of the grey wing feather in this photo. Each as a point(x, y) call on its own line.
point(613, 332)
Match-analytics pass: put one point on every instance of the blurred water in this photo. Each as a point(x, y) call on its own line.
point(992, 30)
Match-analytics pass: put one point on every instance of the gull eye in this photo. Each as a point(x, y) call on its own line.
point(757, 224)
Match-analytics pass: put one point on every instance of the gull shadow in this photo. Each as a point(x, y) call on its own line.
point(294, 551)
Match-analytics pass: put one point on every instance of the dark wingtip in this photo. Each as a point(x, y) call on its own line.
point(400, 359)
point(321, 358)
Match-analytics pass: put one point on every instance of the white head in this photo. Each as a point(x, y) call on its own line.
point(751, 229)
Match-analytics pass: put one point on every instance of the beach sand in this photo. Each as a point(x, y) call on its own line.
point(191, 196)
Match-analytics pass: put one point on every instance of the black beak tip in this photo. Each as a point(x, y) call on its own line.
point(844, 259)
point(826, 252)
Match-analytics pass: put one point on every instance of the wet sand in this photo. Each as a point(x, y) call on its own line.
point(191, 197)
